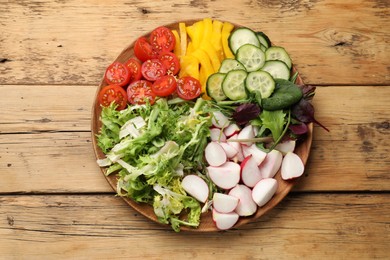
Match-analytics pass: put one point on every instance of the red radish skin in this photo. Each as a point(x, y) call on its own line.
point(219, 120)
point(264, 190)
point(250, 172)
point(217, 135)
point(224, 221)
point(229, 150)
point(292, 166)
point(285, 147)
point(246, 205)
point(224, 203)
point(215, 155)
point(255, 151)
point(246, 133)
point(225, 176)
point(196, 187)
point(271, 164)
point(231, 130)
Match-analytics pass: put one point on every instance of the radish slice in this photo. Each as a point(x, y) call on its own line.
point(224, 221)
point(231, 130)
point(239, 156)
point(219, 119)
point(196, 187)
point(225, 176)
point(224, 203)
point(255, 151)
point(246, 133)
point(271, 164)
point(292, 166)
point(285, 147)
point(250, 172)
point(229, 150)
point(264, 190)
point(215, 154)
point(217, 135)
point(246, 205)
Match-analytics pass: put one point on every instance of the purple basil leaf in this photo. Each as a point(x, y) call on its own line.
point(298, 129)
point(308, 91)
point(246, 112)
point(304, 112)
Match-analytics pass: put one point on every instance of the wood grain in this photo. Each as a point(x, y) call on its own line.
point(313, 226)
point(72, 42)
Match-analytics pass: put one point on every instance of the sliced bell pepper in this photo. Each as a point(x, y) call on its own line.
point(177, 49)
point(226, 30)
point(216, 39)
point(183, 38)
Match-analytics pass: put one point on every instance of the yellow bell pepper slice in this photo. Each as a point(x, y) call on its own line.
point(203, 81)
point(226, 30)
point(216, 39)
point(177, 49)
point(204, 61)
point(198, 33)
point(207, 29)
point(212, 54)
point(183, 38)
point(189, 66)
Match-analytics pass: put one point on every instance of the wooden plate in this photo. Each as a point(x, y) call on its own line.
point(207, 224)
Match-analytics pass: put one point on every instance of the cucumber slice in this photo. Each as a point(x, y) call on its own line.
point(214, 86)
point(230, 64)
point(278, 53)
point(242, 36)
point(278, 69)
point(252, 57)
point(260, 81)
point(233, 85)
point(263, 39)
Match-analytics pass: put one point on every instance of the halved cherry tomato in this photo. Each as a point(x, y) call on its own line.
point(117, 74)
point(134, 66)
point(153, 69)
point(139, 91)
point(143, 50)
point(170, 61)
point(113, 93)
point(188, 88)
point(162, 39)
point(164, 86)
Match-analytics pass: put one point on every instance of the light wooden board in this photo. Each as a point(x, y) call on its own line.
point(314, 226)
point(43, 43)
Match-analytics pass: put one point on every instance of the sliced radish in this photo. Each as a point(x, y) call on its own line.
point(236, 145)
point(224, 203)
point(285, 147)
point(292, 166)
point(224, 221)
point(264, 190)
point(255, 151)
point(225, 176)
point(231, 130)
point(250, 172)
point(196, 187)
point(215, 154)
point(246, 133)
point(271, 164)
point(246, 205)
point(219, 119)
point(217, 135)
point(229, 150)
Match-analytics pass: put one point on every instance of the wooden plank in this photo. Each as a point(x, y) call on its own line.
point(354, 155)
point(72, 42)
point(314, 226)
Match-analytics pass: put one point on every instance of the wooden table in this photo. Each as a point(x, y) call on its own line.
point(55, 202)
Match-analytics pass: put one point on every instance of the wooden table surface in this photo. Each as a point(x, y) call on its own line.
point(55, 202)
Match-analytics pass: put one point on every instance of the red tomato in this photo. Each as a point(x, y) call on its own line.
point(113, 93)
point(162, 39)
point(164, 86)
point(188, 88)
point(143, 49)
point(139, 91)
point(134, 66)
point(117, 74)
point(170, 61)
point(153, 69)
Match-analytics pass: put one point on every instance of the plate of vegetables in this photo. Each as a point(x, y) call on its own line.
point(202, 125)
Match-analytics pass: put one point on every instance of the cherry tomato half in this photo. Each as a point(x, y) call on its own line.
point(134, 66)
point(170, 61)
point(188, 88)
point(113, 93)
point(117, 74)
point(143, 49)
point(139, 91)
point(153, 69)
point(164, 86)
point(162, 39)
